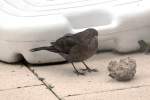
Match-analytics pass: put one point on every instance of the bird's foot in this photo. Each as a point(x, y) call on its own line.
point(79, 73)
point(90, 70)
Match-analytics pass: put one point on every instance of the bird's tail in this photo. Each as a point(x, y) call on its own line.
point(49, 48)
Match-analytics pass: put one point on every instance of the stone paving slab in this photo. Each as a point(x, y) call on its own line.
point(66, 83)
point(27, 93)
point(141, 93)
point(13, 76)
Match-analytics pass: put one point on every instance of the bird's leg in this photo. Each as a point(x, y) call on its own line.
point(88, 69)
point(76, 71)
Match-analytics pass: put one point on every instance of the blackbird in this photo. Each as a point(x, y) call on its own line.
point(75, 48)
point(144, 47)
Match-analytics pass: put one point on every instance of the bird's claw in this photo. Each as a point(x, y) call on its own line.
point(90, 70)
point(94, 70)
point(79, 73)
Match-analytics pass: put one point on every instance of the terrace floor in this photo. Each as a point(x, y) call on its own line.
point(54, 82)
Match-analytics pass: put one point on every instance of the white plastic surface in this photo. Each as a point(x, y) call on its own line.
point(26, 24)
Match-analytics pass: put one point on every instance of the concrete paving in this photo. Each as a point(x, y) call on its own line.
point(67, 84)
point(27, 93)
point(127, 94)
point(59, 82)
point(16, 75)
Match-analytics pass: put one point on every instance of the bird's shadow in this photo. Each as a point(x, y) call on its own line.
point(46, 64)
point(65, 71)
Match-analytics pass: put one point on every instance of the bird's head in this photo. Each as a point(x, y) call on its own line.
point(90, 33)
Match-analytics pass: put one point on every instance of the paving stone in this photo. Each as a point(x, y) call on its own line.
point(142, 93)
point(28, 93)
point(67, 83)
point(13, 76)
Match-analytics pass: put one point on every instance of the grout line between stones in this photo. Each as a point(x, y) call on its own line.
point(105, 91)
point(21, 87)
point(48, 86)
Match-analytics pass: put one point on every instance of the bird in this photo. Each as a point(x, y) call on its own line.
point(75, 48)
point(144, 47)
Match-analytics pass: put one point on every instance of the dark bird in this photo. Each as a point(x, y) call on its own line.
point(144, 47)
point(75, 47)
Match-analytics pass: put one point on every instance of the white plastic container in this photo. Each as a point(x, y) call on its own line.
point(24, 26)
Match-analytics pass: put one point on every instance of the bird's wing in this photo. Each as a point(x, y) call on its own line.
point(65, 36)
point(65, 44)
